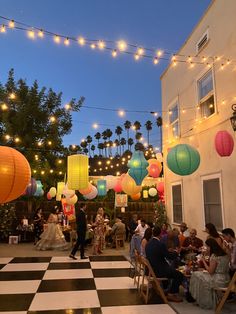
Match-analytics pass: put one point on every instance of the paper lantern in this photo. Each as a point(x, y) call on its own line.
point(136, 197)
point(145, 194)
point(118, 188)
point(160, 187)
point(72, 199)
point(111, 182)
point(102, 187)
point(58, 197)
point(53, 191)
point(155, 167)
point(92, 194)
point(60, 187)
point(87, 190)
point(152, 192)
point(77, 172)
point(31, 187)
point(67, 192)
point(129, 186)
point(138, 165)
point(183, 159)
point(224, 143)
point(14, 174)
point(49, 197)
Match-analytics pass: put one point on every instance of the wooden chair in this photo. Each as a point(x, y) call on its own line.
point(139, 269)
point(120, 241)
point(151, 280)
point(225, 293)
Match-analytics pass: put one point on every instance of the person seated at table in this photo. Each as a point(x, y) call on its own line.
point(192, 244)
point(213, 233)
point(171, 242)
point(183, 233)
point(141, 228)
point(202, 283)
point(118, 229)
point(145, 240)
point(230, 245)
point(164, 229)
point(156, 253)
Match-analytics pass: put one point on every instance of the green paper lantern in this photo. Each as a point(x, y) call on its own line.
point(183, 159)
point(138, 167)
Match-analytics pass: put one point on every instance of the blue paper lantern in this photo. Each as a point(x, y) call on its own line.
point(102, 187)
point(39, 190)
point(138, 167)
point(183, 159)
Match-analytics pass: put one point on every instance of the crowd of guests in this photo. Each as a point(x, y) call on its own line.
point(203, 266)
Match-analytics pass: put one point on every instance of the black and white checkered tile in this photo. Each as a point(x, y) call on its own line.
point(64, 286)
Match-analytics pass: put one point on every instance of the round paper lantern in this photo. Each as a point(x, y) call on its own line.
point(67, 192)
point(87, 190)
point(160, 187)
point(129, 186)
point(111, 182)
point(49, 197)
point(154, 171)
point(118, 188)
point(152, 192)
point(92, 194)
point(53, 191)
point(14, 174)
point(136, 196)
point(224, 143)
point(183, 159)
point(72, 199)
point(31, 187)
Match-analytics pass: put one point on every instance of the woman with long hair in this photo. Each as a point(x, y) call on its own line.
point(213, 233)
point(147, 236)
point(99, 232)
point(216, 274)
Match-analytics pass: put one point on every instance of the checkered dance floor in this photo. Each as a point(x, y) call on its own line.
point(61, 285)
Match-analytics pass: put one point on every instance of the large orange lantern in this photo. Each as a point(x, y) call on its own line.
point(15, 174)
point(136, 197)
point(129, 186)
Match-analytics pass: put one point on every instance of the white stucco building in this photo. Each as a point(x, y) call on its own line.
point(197, 96)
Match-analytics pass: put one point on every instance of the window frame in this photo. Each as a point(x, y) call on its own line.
point(206, 97)
point(172, 204)
point(172, 105)
point(206, 178)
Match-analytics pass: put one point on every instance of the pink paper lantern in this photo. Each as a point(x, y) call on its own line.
point(49, 197)
point(118, 188)
point(160, 187)
point(224, 143)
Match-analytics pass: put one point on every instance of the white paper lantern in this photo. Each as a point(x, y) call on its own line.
point(92, 194)
point(111, 182)
point(72, 200)
point(152, 192)
point(53, 191)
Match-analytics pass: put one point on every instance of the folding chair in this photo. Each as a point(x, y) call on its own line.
point(139, 269)
point(151, 279)
point(225, 292)
point(120, 241)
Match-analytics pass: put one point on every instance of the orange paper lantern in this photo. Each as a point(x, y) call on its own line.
point(129, 186)
point(136, 197)
point(15, 174)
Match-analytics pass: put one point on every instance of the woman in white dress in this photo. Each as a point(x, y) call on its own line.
point(52, 238)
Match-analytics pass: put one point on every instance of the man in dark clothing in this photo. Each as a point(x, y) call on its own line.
point(156, 253)
point(81, 233)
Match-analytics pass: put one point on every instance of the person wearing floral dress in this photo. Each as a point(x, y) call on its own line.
point(202, 283)
point(99, 232)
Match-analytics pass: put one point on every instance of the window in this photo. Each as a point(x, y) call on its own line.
point(212, 202)
point(177, 203)
point(202, 42)
point(206, 95)
point(174, 120)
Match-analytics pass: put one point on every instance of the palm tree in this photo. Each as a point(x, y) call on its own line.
point(104, 136)
point(118, 132)
point(93, 147)
point(122, 143)
point(117, 145)
point(89, 141)
point(159, 124)
point(139, 146)
point(100, 148)
point(137, 125)
point(84, 145)
point(109, 135)
point(138, 136)
point(130, 143)
point(127, 126)
point(97, 136)
point(148, 126)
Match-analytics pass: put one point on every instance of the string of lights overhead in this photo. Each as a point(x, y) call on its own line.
point(138, 52)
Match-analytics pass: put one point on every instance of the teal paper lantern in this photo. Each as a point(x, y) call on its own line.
point(102, 187)
point(183, 159)
point(138, 167)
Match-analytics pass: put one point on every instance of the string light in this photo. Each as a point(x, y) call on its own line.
point(155, 60)
point(136, 57)
point(81, 41)
point(31, 34)
point(66, 42)
point(3, 29)
point(95, 125)
point(121, 113)
point(57, 39)
point(52, 119)
point(12, 96)
point(4, 107)
point(101, 45)
point(122, 45)
point(7, 137)
point(11, 24)
point(40, 34)
point(114, 53)
point(140, 51)
point(93, 46)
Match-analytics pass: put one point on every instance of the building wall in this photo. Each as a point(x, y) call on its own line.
point(180, 82)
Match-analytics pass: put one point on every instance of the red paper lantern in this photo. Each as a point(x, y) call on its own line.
point(160, 187)
point(49, 197)
point(224, 143)
point(15, 174)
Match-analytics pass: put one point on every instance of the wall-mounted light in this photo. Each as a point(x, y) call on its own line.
point(233, 118)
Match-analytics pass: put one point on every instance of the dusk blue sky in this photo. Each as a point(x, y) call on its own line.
point(79, 71)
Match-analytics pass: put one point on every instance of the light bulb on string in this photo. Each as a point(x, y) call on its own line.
point(122, 45)
point(101, 45)
point(92, 46)
point(11, 24)
point(40, 34)
point(81, 41)
point(57, 39)
point(12, 96)
point(66, 42)
point(155, 60)
point(136, 56)
point(3, 29)
point(7, 137)
point(121, 113)
point(4, 107)
point(114, 53)
point(159, 53)
point(31, 34)
point(140, 51)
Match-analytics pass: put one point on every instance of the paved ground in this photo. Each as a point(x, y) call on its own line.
point(107, 281)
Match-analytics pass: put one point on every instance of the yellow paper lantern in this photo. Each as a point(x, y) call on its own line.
point(129, 186)
point(60, 187)
point(58, 197)
point(145, 194)
point(77, 172)
point(15, 174)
